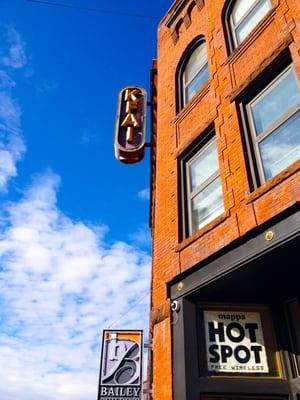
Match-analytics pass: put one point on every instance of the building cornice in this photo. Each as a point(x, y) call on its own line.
point(174, 11)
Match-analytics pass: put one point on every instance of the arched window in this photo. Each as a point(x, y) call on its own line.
point(245, 15)
point(194, 72)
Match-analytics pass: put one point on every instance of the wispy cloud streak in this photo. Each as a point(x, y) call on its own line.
point(16, 54)
point(11, 143)
point(144, 194)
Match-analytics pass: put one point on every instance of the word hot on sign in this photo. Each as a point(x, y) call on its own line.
point(131, 125)
point(235, 342)
point(121, 366)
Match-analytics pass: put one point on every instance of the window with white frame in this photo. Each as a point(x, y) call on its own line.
point(274, 121)
point(244, 17)
point(203, 194)
point(194, 72)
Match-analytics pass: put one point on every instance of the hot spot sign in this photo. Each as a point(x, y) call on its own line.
point(130, 125)
point(235, 342)
point(121, 366)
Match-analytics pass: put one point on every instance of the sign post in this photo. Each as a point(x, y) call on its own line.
point(121, 365)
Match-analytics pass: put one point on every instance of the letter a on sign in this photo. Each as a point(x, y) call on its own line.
point(130, 131)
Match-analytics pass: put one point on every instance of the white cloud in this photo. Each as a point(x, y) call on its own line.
point(6, 81)
point(60, 285)
point(144, 194)
point(16, 55)
point(7, 167)
point(11, 143)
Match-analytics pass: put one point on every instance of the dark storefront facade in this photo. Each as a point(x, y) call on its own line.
point(236, 320)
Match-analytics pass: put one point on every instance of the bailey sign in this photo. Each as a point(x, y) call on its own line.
point(121, 365)
point(235, 342)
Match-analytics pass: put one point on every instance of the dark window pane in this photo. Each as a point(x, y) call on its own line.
point(282, 147)
point(294, 314)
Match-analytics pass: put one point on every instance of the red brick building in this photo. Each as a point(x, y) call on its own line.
point(225, 312)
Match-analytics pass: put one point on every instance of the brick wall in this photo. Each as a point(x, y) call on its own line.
point(245, 209)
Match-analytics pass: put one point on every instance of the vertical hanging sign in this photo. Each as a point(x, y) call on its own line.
point(121, 365)
point(130, 131)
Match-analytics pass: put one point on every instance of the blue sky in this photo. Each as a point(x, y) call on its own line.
point(74, 242)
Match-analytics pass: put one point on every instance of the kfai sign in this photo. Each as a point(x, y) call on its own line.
point(235, 342)
point(121, 366)
point(130, 131)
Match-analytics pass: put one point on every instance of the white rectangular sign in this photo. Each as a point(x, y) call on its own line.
point(235, 342)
